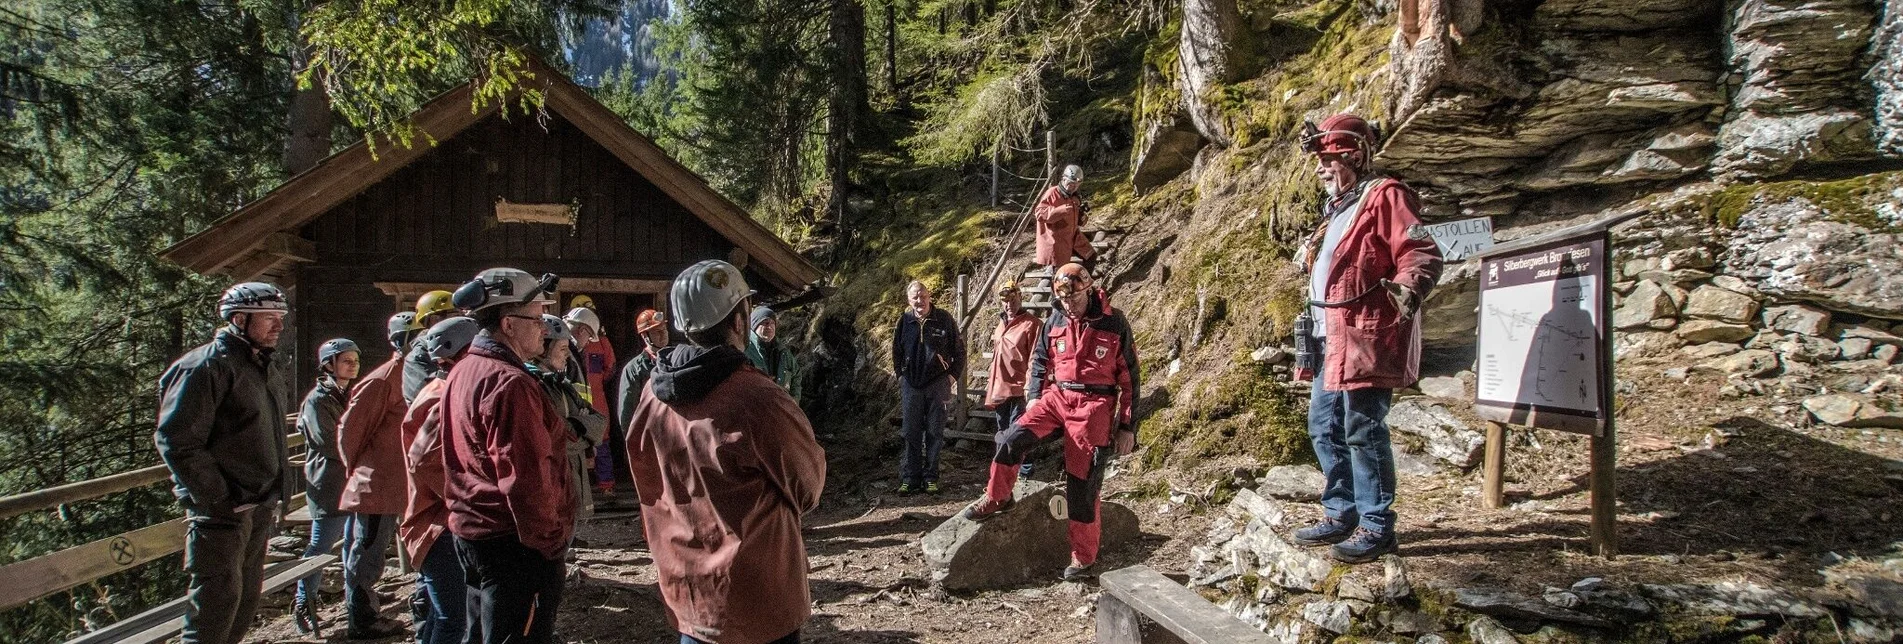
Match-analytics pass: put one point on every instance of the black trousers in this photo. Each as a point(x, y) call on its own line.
point(513, 591)
point(226, 558)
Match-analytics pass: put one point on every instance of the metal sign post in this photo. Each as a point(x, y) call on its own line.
point(1545, 355)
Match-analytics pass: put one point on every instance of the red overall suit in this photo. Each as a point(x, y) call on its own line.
point(1083, 381)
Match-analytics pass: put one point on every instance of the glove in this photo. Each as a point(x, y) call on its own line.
point(1404, 298)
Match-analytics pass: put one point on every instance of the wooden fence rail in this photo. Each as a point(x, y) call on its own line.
point(52, 497)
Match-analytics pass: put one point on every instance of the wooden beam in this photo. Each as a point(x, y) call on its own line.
point(25, 502)
point(166, 620)
point(1146, 596)
point(291, 246)
point(614, 285)
point(256, 265)
point(41, 576)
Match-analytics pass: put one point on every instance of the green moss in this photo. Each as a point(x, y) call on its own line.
point(1848, 201)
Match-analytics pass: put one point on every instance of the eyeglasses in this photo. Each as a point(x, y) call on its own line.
point(519, 316)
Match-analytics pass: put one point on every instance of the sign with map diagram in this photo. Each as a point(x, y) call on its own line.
point(1543, 355)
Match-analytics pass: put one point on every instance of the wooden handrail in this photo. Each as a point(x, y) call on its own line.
point(93, 488)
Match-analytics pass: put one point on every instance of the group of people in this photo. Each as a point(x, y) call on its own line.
point(476, 443)
point(478, 446)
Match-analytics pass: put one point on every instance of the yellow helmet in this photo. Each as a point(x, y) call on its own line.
point(582, 301)
point(432, 303)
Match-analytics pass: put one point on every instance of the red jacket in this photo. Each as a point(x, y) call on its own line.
point(504, 453)
point(1011, 346)
point(1369, 345)
point(426, 517)
point(1094, 348)
point(1060, 224)
point(725, 464)
point(370, 437)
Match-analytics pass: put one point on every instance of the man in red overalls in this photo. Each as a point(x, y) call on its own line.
point(1083, 381)
point(1060, 222)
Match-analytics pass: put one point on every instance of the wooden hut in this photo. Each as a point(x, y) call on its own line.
point(574, 191)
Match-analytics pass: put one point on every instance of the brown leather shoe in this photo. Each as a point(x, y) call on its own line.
point(987, 507)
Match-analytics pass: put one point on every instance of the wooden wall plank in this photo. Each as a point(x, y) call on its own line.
point(41, 576)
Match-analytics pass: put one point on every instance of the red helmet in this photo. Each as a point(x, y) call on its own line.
point(649, 320)
point(1338, 134)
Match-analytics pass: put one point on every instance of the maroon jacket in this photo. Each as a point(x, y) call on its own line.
point(426, 517)
point(1060, 223)
point(504, 450)
point(370, 437)
point(725, 464)
point(1369, 345)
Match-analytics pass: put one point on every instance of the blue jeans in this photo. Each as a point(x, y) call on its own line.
point(922, 426)
point(441, 580)
point(325, 533)
point(364, 555)
point(1349, 430)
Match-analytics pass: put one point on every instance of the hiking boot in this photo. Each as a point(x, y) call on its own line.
point(1326, 532)
point(1075, 572)
point(304, 614)
point(988, 507)
point(1364, 546)
point(1024, 471)
point(907, 489)
point(376, 630)
point(931, 487)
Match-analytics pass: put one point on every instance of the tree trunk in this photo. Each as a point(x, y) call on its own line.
point(892, 50)
point(847, 104)
point(308, 121)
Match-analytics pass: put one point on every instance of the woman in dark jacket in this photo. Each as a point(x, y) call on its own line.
point(323, 466)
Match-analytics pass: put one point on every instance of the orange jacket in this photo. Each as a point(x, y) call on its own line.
point(725, 464)
point(597, 361)
point(426, 517)
point(1369, 345)
point(370, 437)
point(1011, 346)
point(1060, 228)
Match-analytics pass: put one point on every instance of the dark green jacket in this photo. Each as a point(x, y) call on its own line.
point(784, 368)
point(324, 472)
point(221, 429)
point(634, 379)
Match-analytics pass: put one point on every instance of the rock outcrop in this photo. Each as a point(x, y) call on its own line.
point(1024, 545)
point(1798, 99)
point(1887, 77)
point(1212, 51)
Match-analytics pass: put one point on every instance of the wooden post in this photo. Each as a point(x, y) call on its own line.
point(1602, 481)
point(1050, 156)
point(961, 407)
point(994, 174)
point(1493, 469)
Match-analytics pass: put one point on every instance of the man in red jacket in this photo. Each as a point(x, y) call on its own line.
point(439, 615)
point(1011, 346)
point(370, 438)
point(1370, 264)
point(504, 454)
point(1083, 382)
point(1060, 222)
point(725, 464)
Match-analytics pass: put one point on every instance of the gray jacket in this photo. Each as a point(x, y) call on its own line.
point(417, 370)
point(220, 428)
point(324, 471)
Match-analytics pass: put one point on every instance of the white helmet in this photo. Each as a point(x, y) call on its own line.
point(705, 294)
point(252, 297)
point(584, 316)
point(1073, 173)
point(554, 329)
point(500, 286)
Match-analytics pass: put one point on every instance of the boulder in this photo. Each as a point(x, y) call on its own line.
point(1333, 617)
point(1293, 483)
point(1806, 349)
point(1886, 352)
point(1449, 387)
point(1506, 604)
point(1211, 51)
point(1447, 437)
point(1733, 599)
point(1484, 630)
point(1713, 303)
point(1703, 331)
point(1647, 302)
point(1644, 344)
point(1024, 545)
point(1797, 318)
point(1794, 250)
point(1165, 148)
point(1697, 257)
point(1854, 348)
point(1407, 622)
point(1710, 350)
point(1855, 410)
point(1277, 561)
point(1750, 363)
point(1869, 331)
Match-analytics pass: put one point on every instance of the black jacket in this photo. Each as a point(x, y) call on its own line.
point(924, 351)
point(220, 428)
point(418, 367)
point(634, 379)
point(324, 472)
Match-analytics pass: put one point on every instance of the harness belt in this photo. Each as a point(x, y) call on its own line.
point(1106, 390)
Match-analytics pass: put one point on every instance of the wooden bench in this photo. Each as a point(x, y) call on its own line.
point(161, 623)
point(1141, 606)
